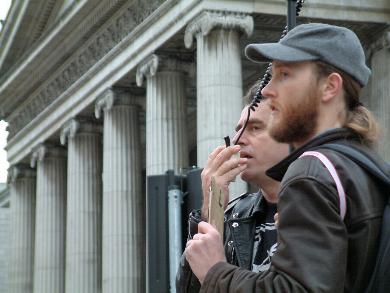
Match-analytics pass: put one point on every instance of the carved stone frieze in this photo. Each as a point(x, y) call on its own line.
point(82, 60)
point(209, 20)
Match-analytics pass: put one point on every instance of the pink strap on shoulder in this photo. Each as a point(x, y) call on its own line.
point(328, 164)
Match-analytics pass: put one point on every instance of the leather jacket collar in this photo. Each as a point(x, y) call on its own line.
point(337, 134)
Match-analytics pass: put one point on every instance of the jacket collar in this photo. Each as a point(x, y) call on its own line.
point(260, 205)
point(277, 171)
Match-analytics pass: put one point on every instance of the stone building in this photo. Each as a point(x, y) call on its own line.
point(99, 93)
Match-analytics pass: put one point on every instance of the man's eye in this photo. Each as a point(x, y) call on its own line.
point(284, 74)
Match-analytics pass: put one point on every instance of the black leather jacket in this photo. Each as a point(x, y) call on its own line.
point(240, 223)
point(317, 250)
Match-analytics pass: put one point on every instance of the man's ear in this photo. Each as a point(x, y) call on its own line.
point(332, 87)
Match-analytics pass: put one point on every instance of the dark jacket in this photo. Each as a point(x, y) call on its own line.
point(317, 250)
point(239, 232)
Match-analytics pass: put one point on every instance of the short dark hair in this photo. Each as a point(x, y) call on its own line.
point(251, 93)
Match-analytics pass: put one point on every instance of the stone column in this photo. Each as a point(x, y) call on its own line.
point(379, 97)
point(219, 78)
point(83, 228)
point(49, 260)
point(5, 248)
point(123, 201)
point(166, 139)
point(21, 180)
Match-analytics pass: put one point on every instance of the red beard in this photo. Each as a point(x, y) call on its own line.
point(297, 120)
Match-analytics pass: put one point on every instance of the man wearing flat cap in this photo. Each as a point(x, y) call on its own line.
point(330, 207)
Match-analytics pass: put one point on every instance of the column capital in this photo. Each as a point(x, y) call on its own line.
point(19, 171)
point(111, 97)
point(42, 151)
point(148, 67)
point(158, 63)
point(78, 125)
point(209, 20)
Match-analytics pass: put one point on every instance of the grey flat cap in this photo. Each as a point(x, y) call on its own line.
point(334, 45)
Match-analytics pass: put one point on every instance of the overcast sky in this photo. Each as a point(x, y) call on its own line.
point(4, 6)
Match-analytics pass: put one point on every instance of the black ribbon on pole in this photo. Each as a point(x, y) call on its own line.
point(291, 14)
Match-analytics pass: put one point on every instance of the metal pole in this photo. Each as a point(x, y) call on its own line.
point(291, 14)
point(175, 246)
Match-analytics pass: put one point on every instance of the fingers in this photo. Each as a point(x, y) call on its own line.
point(223, 168)
point(203, 228)
point(219, 156)
point(223, 162)
point(206, 232)
point(209, 168)
point(214, 153)
point(197, 236)
point(219, 162)
point(225, 155)
point(229, 172)
point(230, 165)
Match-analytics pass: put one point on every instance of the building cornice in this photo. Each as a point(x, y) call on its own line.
point(100, 44)
point(48, 56)
point(154, 31)
point(8, 32)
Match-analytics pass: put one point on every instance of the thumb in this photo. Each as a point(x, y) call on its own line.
point(204, 227)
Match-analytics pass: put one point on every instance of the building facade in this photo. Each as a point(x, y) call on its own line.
point(99, 93)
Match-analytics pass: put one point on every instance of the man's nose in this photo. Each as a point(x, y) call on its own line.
point(268, 91)
point(242, 140)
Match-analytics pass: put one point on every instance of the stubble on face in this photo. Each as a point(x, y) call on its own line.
point(298, 119)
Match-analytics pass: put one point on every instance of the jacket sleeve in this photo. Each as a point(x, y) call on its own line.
point(186, 281)
point(312, 245)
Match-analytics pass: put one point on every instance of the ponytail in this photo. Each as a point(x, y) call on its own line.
point(361, 121)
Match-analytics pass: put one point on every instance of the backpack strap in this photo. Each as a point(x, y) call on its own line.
point(330, 167)
point(362, 160)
